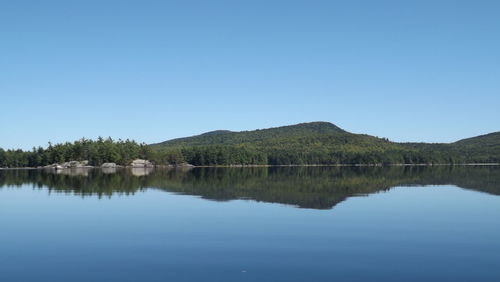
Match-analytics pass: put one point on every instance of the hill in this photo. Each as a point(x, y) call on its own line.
point(484, 148)
point(315, 143)
point(320, 143)
point(227, 137)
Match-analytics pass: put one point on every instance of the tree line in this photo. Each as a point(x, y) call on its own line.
point(311, 150)
point(96, 152)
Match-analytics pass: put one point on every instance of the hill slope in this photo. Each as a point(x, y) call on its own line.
point(320, 143)
point(227, 137)
point(484, 148)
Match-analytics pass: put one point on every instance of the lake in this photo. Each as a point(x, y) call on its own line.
point(251, 224)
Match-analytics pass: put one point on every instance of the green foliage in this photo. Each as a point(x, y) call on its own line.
point(323, 143)
point(223, 155)
point(96, 152)
point(480, 149)
point(318, 143)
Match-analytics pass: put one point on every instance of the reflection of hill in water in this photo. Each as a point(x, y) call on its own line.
point(305, 187)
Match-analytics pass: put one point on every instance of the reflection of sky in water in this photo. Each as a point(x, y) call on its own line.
point(407, 233)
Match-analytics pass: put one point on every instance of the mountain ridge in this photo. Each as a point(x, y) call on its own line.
point(326, 143)
point(315, 143)
point(223, 131)
point(320, 126)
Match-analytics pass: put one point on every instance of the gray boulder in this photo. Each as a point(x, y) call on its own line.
point(75, 164)
point(141, 163)
point(53, 166)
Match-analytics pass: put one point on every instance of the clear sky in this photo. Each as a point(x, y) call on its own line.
point(156, 70)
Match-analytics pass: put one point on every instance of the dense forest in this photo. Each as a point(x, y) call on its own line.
point(95, 152)
point(316, 143)
point(323, 143)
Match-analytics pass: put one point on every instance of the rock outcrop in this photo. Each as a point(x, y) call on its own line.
point(139, 163)
point(70, 164)
point(75, 164)
point(53, 166)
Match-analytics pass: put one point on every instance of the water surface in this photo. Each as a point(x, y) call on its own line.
point(251, 224)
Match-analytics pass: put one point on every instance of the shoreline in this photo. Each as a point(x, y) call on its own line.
point(249, 166)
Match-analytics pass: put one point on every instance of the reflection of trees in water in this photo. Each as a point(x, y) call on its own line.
point(306, 187)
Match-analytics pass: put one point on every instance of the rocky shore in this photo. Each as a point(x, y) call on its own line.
point(138, 163)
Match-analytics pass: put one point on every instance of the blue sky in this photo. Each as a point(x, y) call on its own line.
point(156, 70)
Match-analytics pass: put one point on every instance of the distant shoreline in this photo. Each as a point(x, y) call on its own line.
point(303, 144)
point(249, 166)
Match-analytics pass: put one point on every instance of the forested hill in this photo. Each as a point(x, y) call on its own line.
point(315, 143)
point(226, 137)
point(321, 143)
point(490, 140)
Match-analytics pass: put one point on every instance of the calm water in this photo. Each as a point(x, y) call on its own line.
point(252, 224)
